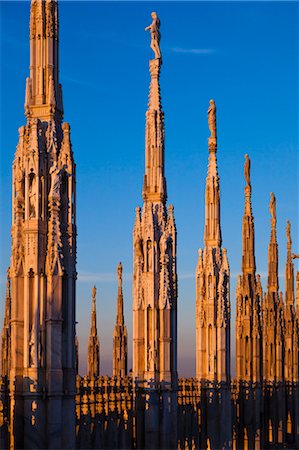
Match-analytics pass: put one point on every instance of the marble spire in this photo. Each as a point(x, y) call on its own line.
point(93, 361)
point(272, 310)
point(212, 280)
point(154, 186)
point(120, 336)
point(273, 285)
point(43, 97)
point(248, 256)
point(154, 237)
point(248, 299)
point(6, 332)
point(43, 257)
point(289, 270)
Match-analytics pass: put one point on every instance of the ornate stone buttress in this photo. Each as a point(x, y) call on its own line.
point(212, 280)
point(43, 260)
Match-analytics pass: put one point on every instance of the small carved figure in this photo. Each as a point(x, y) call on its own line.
point(55, 173)
point(149, 255)
point(19, 182)
point(94, 292)
point(138, 247)
point(212, 119)
point(247, 169)
point(155, 35)
point(32, 349)
point(32, 196)
point(120, 271)
point(288, 231)
point(272, 208)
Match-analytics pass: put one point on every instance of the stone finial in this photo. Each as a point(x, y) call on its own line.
point(155, 35)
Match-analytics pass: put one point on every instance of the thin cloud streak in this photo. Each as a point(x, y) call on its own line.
point(193, 51)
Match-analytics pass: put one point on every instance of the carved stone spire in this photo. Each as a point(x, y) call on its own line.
point(273, 250)
point(154, 186)
point(120, 300)
point(289, 271)
point(93, 362)
point(212, 281)
point(154, 240)
point(120, 337)
point(272, 310)
point(248, 258)
point(249, 294)
point(43, 259)
point(43, 92)
point(6, 332)
point(212, 234)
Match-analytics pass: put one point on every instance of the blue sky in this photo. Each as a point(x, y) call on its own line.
point(242, 54)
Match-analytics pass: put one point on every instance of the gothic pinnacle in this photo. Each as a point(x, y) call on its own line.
point(248, 257)
point(212, 233)
point(43, 91)
point(273, 249)
point(154, 188)
point(120, 306)
point(289, 271)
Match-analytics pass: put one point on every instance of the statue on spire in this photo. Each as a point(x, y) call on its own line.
point(247, 169)
point(120, 272)
point(288, 232)
point(155, 35)
point(272, 208)
point(212, 118)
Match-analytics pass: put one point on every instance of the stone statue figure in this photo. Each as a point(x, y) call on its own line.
point(32, 196)
point(155, 35)
point(247, 169)
point(19, 182)
point(32, 349)
point(288, 231)
point(212, 118)
point(55, 173)
point(94, 292)
point(139, 247)
point(120, 271)
point(272, 208)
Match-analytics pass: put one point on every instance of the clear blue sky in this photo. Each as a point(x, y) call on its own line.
point(244, 55)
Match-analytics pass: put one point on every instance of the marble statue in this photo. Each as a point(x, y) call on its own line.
point(155, 35)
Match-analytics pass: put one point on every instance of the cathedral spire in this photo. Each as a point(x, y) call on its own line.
point(43, 92)
point(120, 300)
point(6, 332)
point(154, 187)
point(289, 271)
point(120, 337)
point(212, 235)
point(273, 249)
point(93, 341)
point(248, 258)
